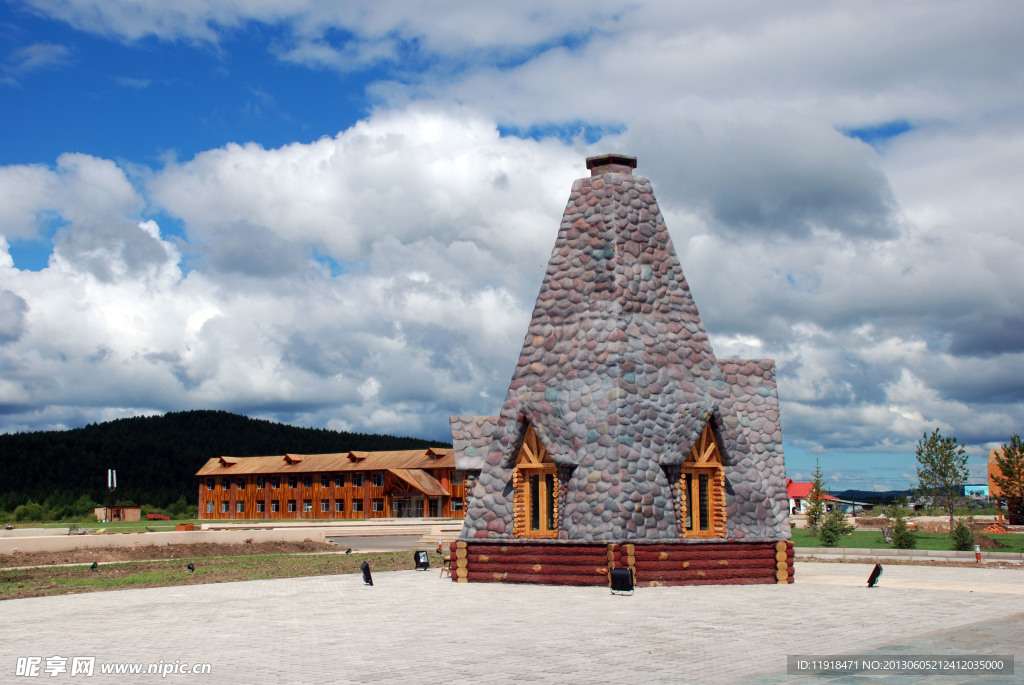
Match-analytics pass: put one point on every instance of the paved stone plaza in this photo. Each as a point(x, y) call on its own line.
point(413, 627)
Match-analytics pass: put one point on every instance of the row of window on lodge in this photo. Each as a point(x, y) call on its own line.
point(377, 480)
point(376, 504)
point(292, 482)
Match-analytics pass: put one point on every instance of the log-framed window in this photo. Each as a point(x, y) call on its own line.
point(702, 489)
point(535, 479)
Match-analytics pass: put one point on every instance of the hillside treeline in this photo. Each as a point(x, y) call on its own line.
point(156, 457)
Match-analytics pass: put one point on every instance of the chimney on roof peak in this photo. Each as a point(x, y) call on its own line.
point(611, 164)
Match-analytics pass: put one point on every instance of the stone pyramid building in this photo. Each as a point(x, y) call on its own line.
point(622, 436)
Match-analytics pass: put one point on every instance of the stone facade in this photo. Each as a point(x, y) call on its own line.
point(618, 380)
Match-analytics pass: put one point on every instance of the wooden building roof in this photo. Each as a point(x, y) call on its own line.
point(431, 458)
point(421, 481)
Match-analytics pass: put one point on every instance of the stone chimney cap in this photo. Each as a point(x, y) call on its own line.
point(611, 164)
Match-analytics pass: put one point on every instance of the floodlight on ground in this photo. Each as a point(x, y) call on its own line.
point(875, 573)
point(367, 578)
point(422, 560)
point(621, 580)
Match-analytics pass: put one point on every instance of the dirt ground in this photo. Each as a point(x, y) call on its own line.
point(148, 552)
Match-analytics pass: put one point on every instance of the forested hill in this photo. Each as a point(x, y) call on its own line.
point(156, 457)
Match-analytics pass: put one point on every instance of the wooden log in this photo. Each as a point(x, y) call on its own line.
point(739, 581)
point(509, 577)
point(710, 576)
point(540, 569)
point(670, 547)
point(703, 564)
point(684, 555)
point(540, 557)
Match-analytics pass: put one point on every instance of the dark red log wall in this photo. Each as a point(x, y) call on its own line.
point(653, 564)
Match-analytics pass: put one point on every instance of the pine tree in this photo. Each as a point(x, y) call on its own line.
point(834, 527)
point(963, 538)
point(902, 536)
point(816, 499)
point(1010, 478)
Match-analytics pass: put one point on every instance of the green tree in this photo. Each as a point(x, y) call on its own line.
point(963, 538)
point(901, 536)
point(834, 527)
point(942, 470)
point(816, 499)
point(1010, 478)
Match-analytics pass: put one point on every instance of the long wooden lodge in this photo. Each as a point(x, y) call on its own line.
point(352, 485)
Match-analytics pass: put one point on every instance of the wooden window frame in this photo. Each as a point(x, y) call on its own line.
point(378, 479)
point(702, 474)
point(535, 501)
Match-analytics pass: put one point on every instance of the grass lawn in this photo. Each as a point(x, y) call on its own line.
point(872, 539)
point(63, 580)
point(129, 526)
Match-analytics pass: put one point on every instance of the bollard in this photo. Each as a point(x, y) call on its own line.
point(977, 553)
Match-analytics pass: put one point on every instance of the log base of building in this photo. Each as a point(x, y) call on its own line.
point(653, 563)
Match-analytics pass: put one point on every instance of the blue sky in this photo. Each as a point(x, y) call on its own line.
point(338, 214)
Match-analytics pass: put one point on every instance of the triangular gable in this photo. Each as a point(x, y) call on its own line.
point(551, 432)
point(294, 458)
point(357, 456)
point(420, 480)
point(688, 426)
point(228, 461)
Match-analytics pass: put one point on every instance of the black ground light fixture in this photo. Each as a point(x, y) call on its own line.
point(622, 580)
point(367, 578)
point(422, 560)
point(875, 573)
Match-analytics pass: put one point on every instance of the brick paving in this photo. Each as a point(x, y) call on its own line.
point(413, 627)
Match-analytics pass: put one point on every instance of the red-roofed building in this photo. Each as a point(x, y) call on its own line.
point(798, 494)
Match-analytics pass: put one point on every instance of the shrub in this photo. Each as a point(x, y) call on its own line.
point(31, 511)
point(834, 527)
point(963, 538)
point(902, 537)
